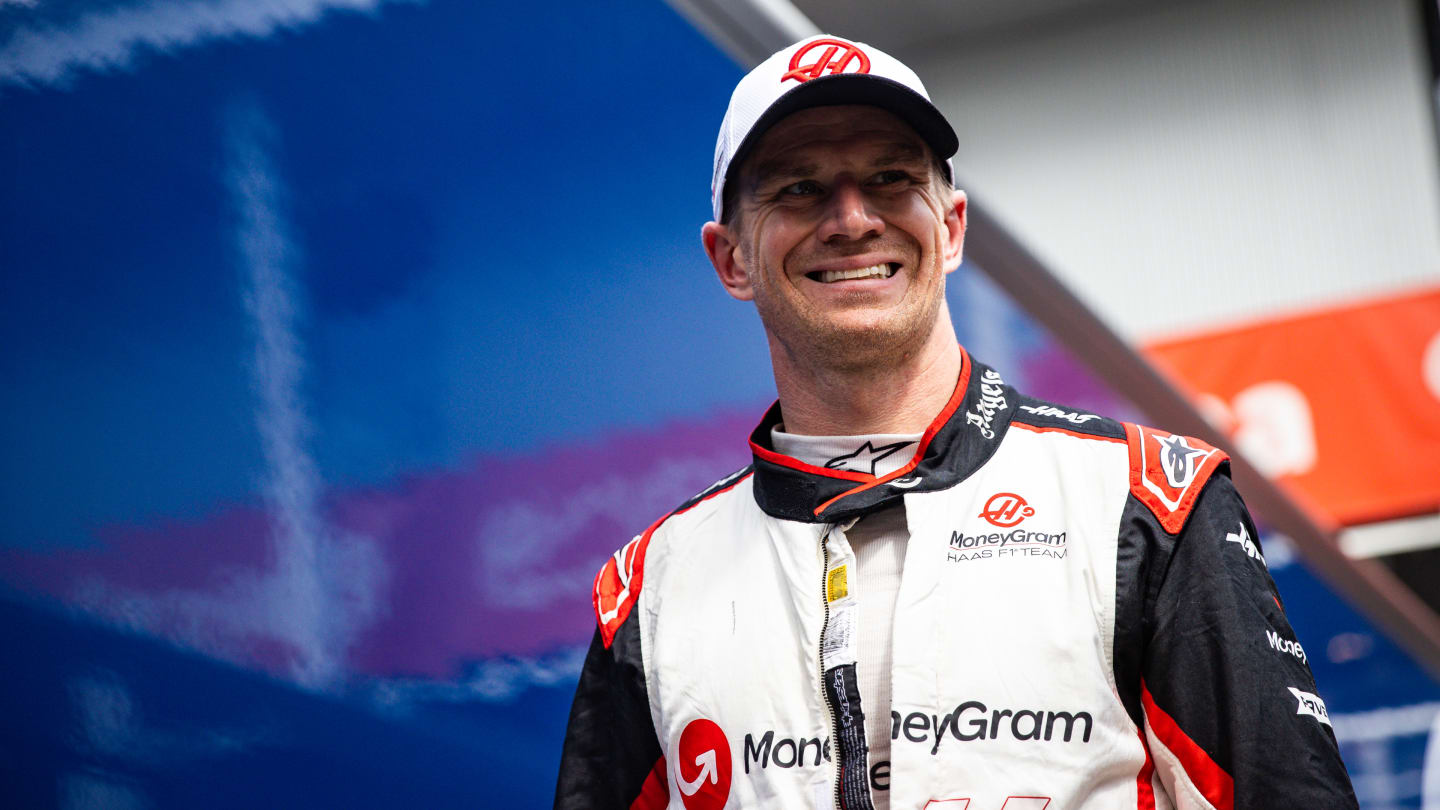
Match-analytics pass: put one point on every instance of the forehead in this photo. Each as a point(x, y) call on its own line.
point(835, 129)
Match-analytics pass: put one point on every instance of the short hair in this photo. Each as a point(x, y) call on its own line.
point(730, 204)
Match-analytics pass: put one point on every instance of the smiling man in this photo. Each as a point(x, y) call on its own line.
point(928, 589)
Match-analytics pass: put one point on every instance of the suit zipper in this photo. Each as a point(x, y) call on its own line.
point(835, 758)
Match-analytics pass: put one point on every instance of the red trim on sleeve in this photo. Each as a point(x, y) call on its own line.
point(1077, 434)
point(1144, 787)
point(1217, 786)
point(617, 585)
point(956, 397)
point(655, 793)
point(1167, 472)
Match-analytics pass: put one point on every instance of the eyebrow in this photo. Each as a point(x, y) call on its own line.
point(784, 168)
point(781, 168)
point(900, 152)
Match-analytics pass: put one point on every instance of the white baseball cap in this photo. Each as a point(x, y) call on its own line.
point(822, 71)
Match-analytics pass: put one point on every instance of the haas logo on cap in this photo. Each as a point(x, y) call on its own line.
point(836, 56)
point(702, 766)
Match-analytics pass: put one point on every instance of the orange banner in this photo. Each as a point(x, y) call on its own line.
point(1342, 404)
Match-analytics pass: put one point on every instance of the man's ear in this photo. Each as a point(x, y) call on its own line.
point(955, 222)
point(723, 247)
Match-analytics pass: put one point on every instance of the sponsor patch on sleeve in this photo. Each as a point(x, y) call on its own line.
point(1311, 704)
point(1246, 543)
point(1167, 472)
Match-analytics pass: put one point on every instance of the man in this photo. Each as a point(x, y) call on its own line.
point(928, 589)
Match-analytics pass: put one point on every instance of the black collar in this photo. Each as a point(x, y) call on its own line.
point(957, 443)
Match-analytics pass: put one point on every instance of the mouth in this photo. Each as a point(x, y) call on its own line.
point(881, 271)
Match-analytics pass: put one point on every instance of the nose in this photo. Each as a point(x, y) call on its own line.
point(849, 216)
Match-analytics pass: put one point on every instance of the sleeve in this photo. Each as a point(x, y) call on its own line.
point(612, 757)
point(1231, 713)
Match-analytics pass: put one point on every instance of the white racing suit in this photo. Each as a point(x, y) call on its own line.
point(1084, 622)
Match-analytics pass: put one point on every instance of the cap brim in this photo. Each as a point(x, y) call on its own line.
point(855, 88)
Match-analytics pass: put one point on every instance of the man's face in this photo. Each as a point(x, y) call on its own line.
point(843, 236)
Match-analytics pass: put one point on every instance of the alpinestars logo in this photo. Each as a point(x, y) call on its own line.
point(1310, 704)
point(1073, 417)
point(1243, 540)
point(702, 766)
point(1167, 472)
point(992, 399)
point(865, 457)
point(1177, 459)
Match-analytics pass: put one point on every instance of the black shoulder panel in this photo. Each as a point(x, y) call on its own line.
point(1038, 413)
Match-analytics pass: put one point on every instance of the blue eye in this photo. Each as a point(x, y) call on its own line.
point(888, 177)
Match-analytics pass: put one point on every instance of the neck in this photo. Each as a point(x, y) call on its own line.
point(901, 394)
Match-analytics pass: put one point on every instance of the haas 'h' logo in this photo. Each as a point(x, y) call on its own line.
point(1006, 509)
point(837, 56)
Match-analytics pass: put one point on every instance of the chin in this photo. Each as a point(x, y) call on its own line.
point(850, 338)
point(862, 342)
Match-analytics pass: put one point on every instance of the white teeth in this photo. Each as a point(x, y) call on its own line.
point(876, 271)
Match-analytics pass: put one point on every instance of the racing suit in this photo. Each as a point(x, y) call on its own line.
point(1084, 621)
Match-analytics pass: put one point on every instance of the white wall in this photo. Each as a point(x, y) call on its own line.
point(1203, 163)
